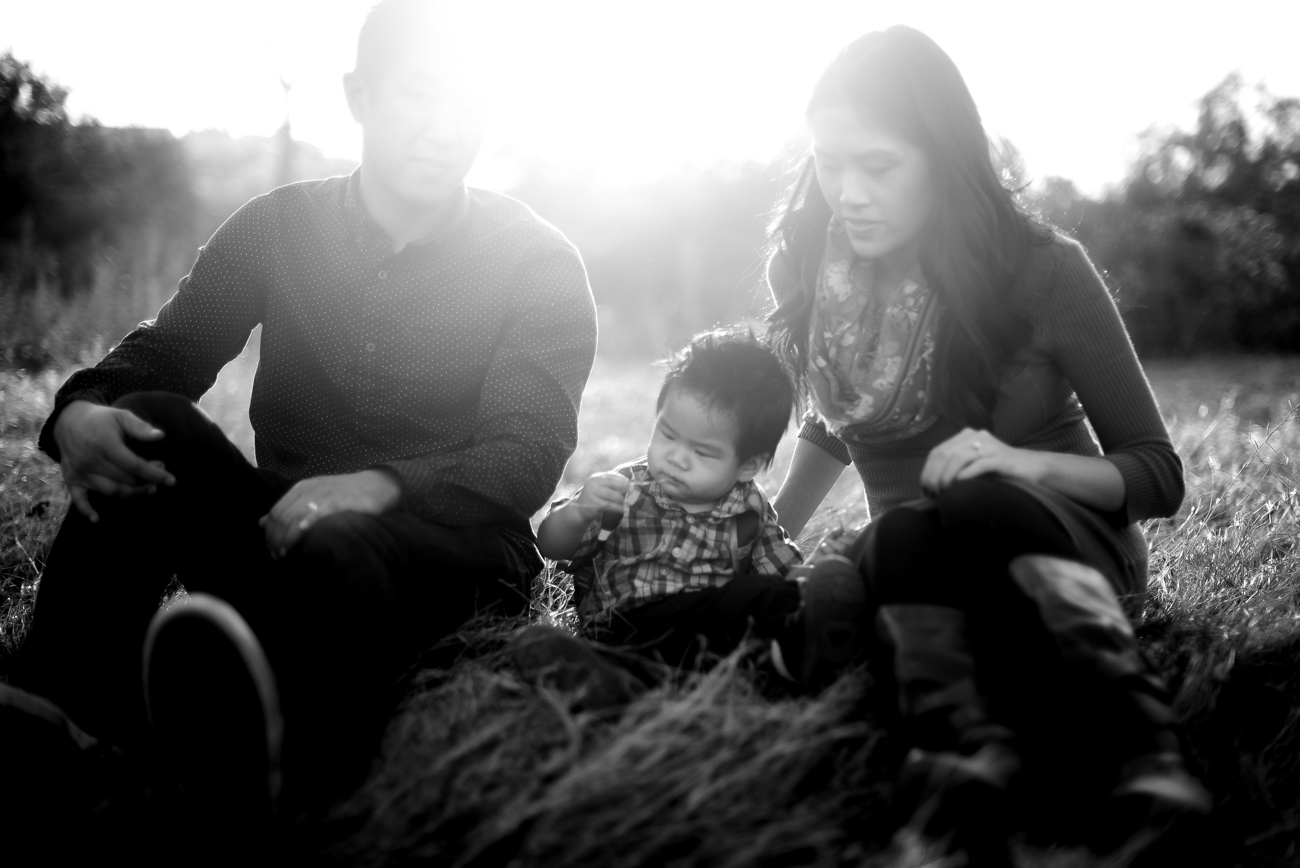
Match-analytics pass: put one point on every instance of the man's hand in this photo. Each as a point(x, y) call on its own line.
point(369, 491)
point(94, 455)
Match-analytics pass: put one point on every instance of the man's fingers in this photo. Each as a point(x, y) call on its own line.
point(287, 504)
point(274, 535)
point(110, 470)
point(136, 490)
point(136, 427)
point(292, 533)
point(82, 503)
point(120, 456)
point(99, 483)
point(284, 530)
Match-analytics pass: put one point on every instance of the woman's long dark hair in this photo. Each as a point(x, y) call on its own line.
point(976, 237)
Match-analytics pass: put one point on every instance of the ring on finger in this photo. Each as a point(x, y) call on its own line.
point(306, 522)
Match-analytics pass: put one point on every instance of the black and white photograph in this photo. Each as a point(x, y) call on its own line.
point(588, 434)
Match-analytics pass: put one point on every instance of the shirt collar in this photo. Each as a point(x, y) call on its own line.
point(363, 227)
point(743, 497)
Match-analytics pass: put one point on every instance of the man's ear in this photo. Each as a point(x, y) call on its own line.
point(751, 466)
point(358, 95)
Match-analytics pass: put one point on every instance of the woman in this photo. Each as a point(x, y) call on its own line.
point(955, 352)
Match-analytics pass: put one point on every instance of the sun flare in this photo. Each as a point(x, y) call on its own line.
point(628, 92)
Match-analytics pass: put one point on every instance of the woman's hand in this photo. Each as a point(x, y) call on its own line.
point(1094, 482)
point(971, 453)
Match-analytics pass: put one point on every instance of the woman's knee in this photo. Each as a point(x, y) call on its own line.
point(996, 515)
point(903, 560)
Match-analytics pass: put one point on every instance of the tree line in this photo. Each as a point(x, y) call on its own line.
point(1202, 240)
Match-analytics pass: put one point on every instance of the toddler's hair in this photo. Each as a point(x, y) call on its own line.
point(734, 372)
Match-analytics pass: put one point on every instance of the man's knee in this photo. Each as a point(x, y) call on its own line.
point(182, 422)
point(163, 410)
point(350, 541)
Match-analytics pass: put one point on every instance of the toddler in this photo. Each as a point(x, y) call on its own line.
point(697, 559)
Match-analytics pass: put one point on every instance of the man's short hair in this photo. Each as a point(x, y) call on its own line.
point(734, 372)
point(393, 27)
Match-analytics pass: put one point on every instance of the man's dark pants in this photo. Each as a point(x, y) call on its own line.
point(341, 616)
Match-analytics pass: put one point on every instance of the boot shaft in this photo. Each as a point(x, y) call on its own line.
point(938, 693)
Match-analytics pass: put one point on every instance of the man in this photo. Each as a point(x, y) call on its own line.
point(424, 349)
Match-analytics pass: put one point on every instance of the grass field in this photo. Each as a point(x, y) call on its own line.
point(719, 769)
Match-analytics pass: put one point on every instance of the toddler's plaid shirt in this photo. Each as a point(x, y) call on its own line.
point(660, 548)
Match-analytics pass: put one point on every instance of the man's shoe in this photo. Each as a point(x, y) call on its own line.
point(558, 659)
point(211, 697)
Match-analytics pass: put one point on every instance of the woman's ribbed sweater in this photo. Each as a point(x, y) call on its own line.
point(1078, 368)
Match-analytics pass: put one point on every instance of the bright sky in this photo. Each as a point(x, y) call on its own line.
point(632, 90)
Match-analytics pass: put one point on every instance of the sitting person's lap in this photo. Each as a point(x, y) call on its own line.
point(954, 549)
point(358, 597)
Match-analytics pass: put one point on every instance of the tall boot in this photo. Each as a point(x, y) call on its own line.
point(960, 774)
point(1083, 616)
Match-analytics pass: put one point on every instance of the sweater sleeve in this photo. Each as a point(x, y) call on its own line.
point(814, 431)
point(203, 326)
point(1093, 349)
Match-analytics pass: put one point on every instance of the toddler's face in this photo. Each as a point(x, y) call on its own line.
point(692, 452)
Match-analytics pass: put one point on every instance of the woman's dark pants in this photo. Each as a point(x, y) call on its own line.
point(341, 616)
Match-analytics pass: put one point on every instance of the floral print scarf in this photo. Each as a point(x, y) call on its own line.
point(870, 349)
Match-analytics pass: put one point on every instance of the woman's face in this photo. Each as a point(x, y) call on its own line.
point(878, 184)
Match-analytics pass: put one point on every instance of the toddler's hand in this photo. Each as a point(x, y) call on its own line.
point(603, 492)
point(836, 541)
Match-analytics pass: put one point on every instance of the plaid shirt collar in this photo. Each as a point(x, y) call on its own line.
point(743, 497)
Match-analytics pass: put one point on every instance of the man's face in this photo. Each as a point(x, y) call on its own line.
point(422, 128)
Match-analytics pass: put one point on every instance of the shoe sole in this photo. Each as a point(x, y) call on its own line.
point(189, 647)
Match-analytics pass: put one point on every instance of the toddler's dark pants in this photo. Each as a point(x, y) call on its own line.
point(685, 629)
point(341, 616)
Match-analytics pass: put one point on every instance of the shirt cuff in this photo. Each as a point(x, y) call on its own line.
point(1140, 490)
point(814, 431)
point(45, 440)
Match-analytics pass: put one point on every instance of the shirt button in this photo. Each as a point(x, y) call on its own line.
point(663, 571)
point(383, 275)
point(677, 552)
point(370, 347)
